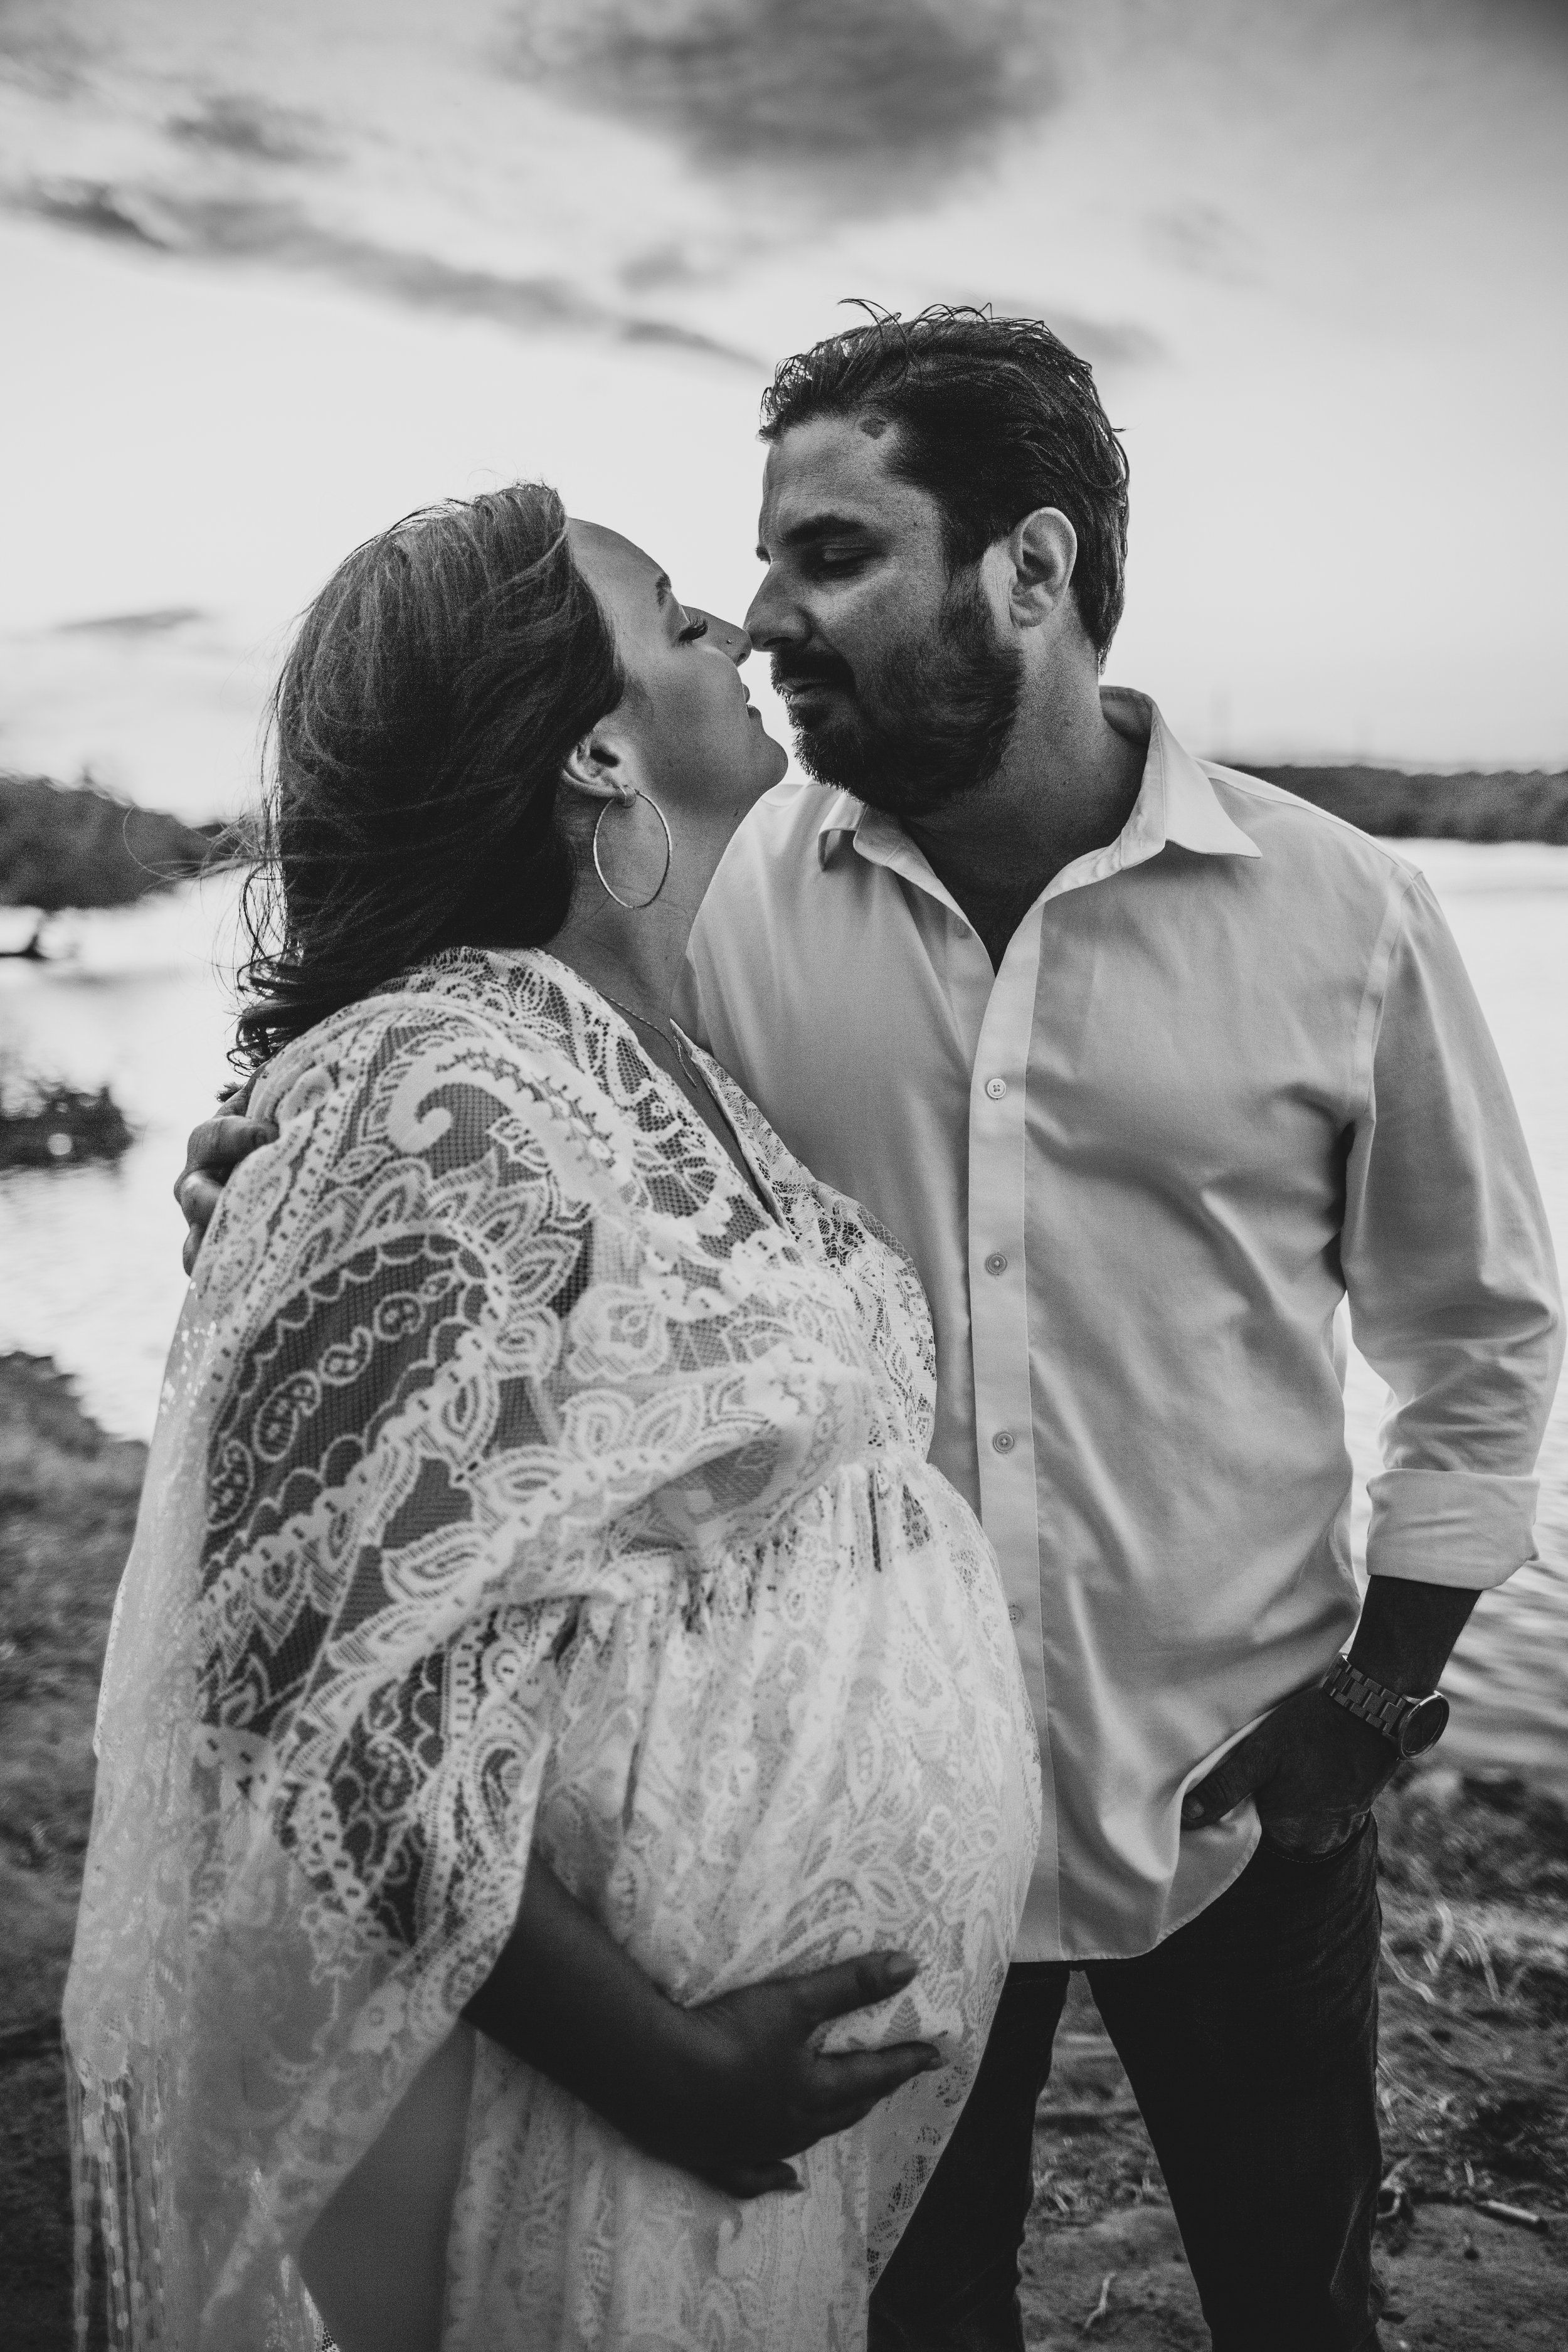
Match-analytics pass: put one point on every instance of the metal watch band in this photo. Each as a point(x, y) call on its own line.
point(1387, 1711)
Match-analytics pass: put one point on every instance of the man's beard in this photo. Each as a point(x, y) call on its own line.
point(930, 722)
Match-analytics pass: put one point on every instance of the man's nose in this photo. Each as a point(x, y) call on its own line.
point(768, 621)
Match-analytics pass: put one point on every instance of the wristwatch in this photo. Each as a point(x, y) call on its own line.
point(1413, 1724)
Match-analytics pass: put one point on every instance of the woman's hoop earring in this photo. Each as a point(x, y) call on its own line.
point(633, 906)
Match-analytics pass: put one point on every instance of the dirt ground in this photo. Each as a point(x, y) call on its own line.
point(1475, 2100)
point(1473, 2084)
point(1474, 1994)
point(1461, 2280)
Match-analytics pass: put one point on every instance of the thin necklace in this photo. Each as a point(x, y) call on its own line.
point(670, 1035)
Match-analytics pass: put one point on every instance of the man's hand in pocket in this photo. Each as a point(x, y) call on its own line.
point(1311, 1769)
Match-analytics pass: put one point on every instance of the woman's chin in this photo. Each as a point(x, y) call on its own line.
point(775, 763)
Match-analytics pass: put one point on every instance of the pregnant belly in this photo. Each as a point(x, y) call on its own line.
point(824, 1751)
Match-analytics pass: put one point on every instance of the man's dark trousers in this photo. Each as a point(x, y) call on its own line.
point(1250, 2039)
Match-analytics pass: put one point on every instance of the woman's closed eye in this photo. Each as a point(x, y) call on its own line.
point(697, 626)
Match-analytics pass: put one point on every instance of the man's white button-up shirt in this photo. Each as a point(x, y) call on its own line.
point(1230, 1070)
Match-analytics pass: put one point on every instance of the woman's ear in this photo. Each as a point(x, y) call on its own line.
point(592, 767)
point(604, 766)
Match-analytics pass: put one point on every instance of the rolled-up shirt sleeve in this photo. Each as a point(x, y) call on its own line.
point(1449, 1264)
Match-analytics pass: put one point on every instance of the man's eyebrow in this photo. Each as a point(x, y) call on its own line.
point(818, 527)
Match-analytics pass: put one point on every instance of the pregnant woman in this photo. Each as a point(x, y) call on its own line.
point(550, 1687)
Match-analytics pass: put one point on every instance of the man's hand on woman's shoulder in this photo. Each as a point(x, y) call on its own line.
point(213, 1151)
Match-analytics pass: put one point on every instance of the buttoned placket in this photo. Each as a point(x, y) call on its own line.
point(999, 1291)
point(999, 1316)
point(995, 1014)
point(997, 1266)
point(999, 1305)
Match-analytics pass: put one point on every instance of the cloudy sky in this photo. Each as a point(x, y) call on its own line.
point(272, 276)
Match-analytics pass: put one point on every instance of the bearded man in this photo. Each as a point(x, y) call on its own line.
point(1149, 1065)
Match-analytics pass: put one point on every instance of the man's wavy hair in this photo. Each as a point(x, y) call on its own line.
point(994, 417)
point(415, 741)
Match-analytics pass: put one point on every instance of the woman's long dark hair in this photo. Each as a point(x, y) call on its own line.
point(416, 740)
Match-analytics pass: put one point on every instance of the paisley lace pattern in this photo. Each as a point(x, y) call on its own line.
point(520, 1480)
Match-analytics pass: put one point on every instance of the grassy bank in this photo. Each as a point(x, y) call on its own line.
point(1474, 1991)
point(68, 1505)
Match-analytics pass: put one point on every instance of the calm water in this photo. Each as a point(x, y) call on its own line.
point(89, 1259)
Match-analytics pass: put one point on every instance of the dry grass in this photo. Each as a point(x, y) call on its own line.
point(1475, 2068)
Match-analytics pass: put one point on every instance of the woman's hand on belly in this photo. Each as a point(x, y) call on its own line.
point(727, 2090)
point(747, 2086)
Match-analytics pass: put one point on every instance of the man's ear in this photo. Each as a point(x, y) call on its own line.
point(1042, 550)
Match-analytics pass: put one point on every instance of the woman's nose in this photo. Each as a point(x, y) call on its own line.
point(729, 638)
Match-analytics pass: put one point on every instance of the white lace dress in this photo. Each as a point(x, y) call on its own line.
point(519, 1480)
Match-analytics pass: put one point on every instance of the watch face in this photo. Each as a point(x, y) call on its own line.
point(1424, 1726)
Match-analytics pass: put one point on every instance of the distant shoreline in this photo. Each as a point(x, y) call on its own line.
point(74, 846)
point(1505, 806)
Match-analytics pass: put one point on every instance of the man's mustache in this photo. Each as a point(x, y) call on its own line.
point(793, 666)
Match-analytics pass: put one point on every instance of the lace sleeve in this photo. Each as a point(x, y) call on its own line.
point(443, 1378)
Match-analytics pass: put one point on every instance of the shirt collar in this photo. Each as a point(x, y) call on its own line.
point(1177, 802)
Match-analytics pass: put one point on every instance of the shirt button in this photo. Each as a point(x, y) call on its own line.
point(995, 1088)
point(1003, 1441)
point(1014, 1612)
point(996, 1263)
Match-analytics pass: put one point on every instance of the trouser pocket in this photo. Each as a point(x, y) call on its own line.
point(1325, 1861)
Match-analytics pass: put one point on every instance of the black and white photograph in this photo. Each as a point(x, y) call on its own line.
point(784, 1147)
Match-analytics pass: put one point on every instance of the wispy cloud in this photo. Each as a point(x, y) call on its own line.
point(1205, 242)
point(157, 623)
point(235, 123)
point(91, 207)
point(41, 53)
point(871, 98)
point(248, 229)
